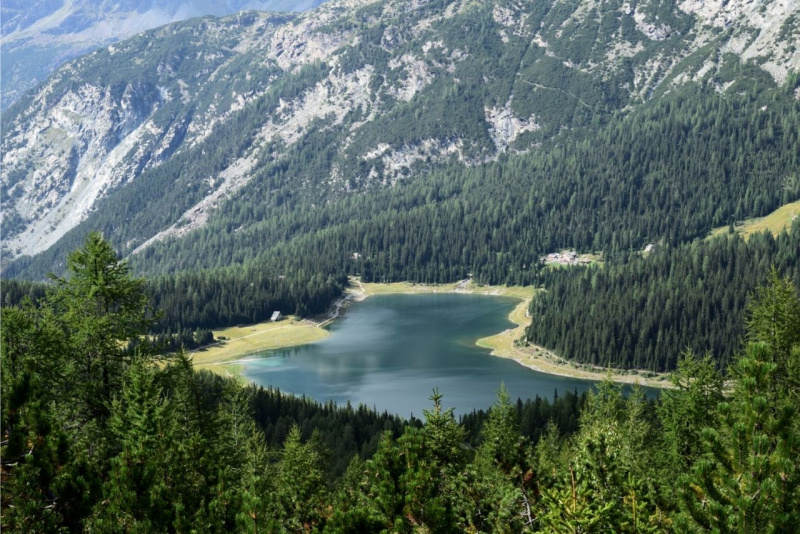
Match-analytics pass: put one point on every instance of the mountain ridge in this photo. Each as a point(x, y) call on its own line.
point(394, 97)
point(39, 36)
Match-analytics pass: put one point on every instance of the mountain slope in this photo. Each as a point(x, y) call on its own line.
point(162, 135)
point(40, 35)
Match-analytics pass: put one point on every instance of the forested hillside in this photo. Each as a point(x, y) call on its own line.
point(640, 311)
point(98, 437)
point(672, 170)
point(191, 304)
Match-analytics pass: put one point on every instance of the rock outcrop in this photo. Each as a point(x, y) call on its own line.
point(394, 88)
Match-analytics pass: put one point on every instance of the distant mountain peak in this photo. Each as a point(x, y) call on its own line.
point(40, 35)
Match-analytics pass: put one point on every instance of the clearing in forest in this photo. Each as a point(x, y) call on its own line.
point(775, 222)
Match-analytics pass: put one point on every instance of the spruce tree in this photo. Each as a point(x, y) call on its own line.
point(747, 479)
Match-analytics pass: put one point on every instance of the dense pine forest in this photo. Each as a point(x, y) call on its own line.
point(641, 310)
point(190, 304)
point(99, 436)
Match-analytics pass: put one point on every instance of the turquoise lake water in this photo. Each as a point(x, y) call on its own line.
point(389, 352)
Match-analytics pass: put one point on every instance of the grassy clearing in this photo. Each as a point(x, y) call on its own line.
point(775, 222)
point(244, 340)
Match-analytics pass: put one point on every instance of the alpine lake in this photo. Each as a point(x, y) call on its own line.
point(389, 352)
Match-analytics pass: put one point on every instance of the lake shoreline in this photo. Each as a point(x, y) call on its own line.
point(503, 345)
point(507, 344)
point(232, 350)
point(238, 342)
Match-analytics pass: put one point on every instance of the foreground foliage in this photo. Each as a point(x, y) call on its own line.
point(101, 437)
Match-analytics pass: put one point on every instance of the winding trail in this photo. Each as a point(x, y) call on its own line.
point(540, 86)
point(344, 302)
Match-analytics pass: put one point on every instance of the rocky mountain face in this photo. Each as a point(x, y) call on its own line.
point(40, 35)
point(363, 93)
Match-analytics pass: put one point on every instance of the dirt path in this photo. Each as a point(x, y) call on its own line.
point(462, 285)
point(351, 296)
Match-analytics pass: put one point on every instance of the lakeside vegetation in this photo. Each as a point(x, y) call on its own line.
point(99, 436)
point(190, 305)
point(465, 286)
point(512, 344)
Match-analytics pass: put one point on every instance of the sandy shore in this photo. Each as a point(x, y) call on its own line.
point(508, 344)
point(464, 286)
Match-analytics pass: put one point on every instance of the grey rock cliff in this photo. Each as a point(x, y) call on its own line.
point(393, 73)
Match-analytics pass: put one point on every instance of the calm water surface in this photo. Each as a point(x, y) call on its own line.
point(390, 351)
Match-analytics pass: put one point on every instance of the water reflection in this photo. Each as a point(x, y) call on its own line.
point(390, 351)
